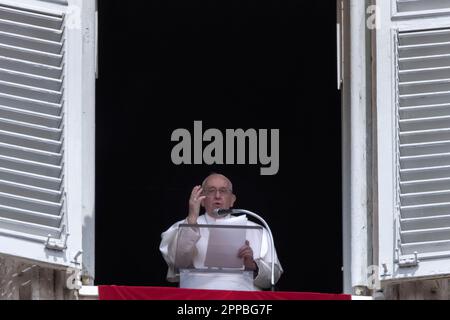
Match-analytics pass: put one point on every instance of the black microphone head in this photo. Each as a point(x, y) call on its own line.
point(222, 212)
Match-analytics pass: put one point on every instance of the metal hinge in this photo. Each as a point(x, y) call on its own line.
point(409, 262)
point(57, 244)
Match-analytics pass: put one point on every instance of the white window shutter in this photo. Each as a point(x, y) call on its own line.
point(413, 111)
point(46, 130)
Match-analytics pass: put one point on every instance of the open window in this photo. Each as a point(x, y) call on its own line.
point(47, 98)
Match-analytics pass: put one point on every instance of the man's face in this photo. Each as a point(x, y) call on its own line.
point(219, 195)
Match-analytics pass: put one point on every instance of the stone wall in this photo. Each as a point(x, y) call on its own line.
point(22, 281)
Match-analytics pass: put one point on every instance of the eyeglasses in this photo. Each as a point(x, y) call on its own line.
point(210, 192)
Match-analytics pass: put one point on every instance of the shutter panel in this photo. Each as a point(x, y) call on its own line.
point(412, 76)
point(31, 123)
point(423, 85)
point(421, 5)
point(47, 99)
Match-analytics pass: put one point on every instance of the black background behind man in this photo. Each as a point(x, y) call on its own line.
point(240, 64)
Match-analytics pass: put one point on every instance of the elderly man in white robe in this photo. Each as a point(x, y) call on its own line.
point(216, 193)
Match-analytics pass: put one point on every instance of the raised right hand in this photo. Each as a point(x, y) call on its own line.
point(194, 204)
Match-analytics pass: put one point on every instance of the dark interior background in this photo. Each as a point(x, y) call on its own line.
point(232, 64)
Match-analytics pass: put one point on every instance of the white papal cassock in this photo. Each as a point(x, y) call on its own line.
point(192, 247)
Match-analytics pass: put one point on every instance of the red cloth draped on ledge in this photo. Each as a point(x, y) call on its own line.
point(154, 293)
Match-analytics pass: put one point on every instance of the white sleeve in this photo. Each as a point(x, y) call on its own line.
point(263, 279)
point(182, 249)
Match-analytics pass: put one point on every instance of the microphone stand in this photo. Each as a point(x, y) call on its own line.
point(272, 244)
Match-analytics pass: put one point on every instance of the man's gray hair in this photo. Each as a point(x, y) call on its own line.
point(220, 175)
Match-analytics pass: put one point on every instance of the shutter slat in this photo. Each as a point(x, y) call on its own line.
point(30, 142)
point(425, 198)
point(418, 149)
point(30, 80)
point(425, 136)
point(425, 235)
point(50, 59)
point(433, 222)
point(30, 154)
point(425, 161)
point(30, 129)
point(30, 204)
point(424, 62)
point(30, 192)
point(30, 216)
point(425, 210)
point(31, 43)
point(424, 185)
point(30, 167)
point(423, 37)
point(31, 179)
point(21, 103)
point(40, 119)
point(31, 68)
point(30, 92)
point(428, 86)
point(432, 111)
point(425, 173)
point(421, 124)
point(30, 30)
point(421, 5)
point(424, 50)
point(30, 17)
point(424, 74)
point(426, 247)
point(424, 99)
point(29, 228)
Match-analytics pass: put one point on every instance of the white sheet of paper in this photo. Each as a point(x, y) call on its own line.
point(224, 244)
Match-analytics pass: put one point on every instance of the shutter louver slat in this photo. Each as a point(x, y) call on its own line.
point(425, 111)
point(30, 216)
point(31, 92)
point(30, 129)
point(423, 85)
point(425, 210)
point(27, 228)
point(30, 105)
point(30, 154)
point(31, 123)
point(418, 149)
point(421, 5)
point(30, 142)
point(39, 57)
point(435, 61)
point(426, 222)
point(30, 117)
point(424, 173)
point(436, 160)
point(30, 68)
point(30, 192)
point(31, 31)
point(30, 179)
point(424, 185)
point(30, 80)
point(30, 43)
point(32, 18)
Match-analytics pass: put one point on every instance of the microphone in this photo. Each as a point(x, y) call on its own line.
point(225, 212)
